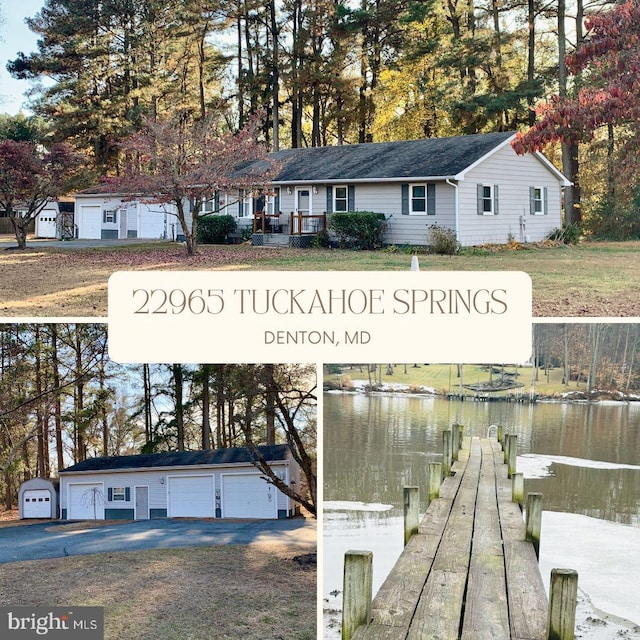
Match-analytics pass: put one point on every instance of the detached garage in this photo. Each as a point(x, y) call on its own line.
point(220, 483)
point(37, 498)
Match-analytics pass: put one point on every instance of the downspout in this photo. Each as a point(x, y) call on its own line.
point(456, 207)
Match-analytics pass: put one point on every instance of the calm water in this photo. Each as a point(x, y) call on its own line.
point(375, 445)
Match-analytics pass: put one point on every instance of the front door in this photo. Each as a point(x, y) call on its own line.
point(303, 202)
point(123, 223)
point(142, 503)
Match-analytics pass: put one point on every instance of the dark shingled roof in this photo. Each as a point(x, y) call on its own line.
point(430, 157)
point(180, 458)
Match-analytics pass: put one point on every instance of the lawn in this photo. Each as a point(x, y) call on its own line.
point(443, 378)
point(600, 279)
point(256, 592)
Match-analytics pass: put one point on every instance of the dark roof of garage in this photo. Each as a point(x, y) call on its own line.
point(180, 459)
point(427, 157)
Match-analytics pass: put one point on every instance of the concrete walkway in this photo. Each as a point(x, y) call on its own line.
point(59, 539)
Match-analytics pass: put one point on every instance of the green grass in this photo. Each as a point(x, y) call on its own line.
point(443, 377)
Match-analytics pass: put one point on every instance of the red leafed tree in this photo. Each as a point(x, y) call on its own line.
point(608, 65)
point(31, 176)
point(186, 166)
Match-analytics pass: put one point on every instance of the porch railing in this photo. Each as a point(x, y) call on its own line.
point(266, 222)
point(304, 224)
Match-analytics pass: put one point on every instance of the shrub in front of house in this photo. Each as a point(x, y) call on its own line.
point(358, 229)
point(215, 229)
point(442, 240)
point(567, 234)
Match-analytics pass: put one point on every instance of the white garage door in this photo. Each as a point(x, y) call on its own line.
point(248, 496)
point(86, 502)
point(46, 224)
point(37, 504)
point(191, 497)
point(152, 224)
point(90, 222)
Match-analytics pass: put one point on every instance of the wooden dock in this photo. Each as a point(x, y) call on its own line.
point(468, 573)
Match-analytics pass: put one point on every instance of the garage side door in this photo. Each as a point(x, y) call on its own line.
point(191, 497)
point(37, 504)
point(90, 222)
point(86, 502)
point(248, 496)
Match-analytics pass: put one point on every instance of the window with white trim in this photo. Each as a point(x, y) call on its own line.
point(487, 199)
point(341, 199)
point(418, 199)
point(538, 200)
point(118, 494)
point(109, 216)
point(245, 205)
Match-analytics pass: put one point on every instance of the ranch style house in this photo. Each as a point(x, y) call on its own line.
point(475, 185)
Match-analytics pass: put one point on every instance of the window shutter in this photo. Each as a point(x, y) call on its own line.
point(545, 203)
point(532, 200)
point(240, 204)
point(276, 202)
point(431, 199)
point(127, 494)
point(405, 199)
point(495, 199)
point(351, 198)
point(216, 202)
point(480, 191)
point(329, 199)
point(109, 494)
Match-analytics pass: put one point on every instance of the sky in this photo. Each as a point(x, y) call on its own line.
point(14, 37)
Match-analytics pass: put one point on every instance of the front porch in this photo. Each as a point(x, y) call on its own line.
point(287, 230)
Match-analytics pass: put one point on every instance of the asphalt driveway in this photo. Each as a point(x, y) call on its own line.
point(59, 539)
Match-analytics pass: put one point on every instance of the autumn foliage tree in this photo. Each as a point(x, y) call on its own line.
point(182, 165)
point(31, 176)
point(607, 68)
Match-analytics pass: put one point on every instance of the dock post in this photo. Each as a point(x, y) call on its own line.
point(411, 512)
point(357, 591)
point(455, 442)
point(460, 435)
point(513, 454)
point(501, 435)
point(517, 488)
point(446, 453)
point(563, 593)
point(505, 447)
point(435, 479)
point(534, 520)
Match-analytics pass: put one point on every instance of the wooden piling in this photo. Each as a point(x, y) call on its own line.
point(505, 447)
point(563, 593)
point(501, 435)
point(435, 480)
point(455, 442)
point(533, 523)
point(517, 488)
point(446, 453)
point(513, 454)
point(357, 591)
point(460, 435)
point(411, 512)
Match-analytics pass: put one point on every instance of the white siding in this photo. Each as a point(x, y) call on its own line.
point(514, 175)
point(157, 481)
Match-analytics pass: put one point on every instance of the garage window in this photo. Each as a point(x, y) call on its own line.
point(119, 494)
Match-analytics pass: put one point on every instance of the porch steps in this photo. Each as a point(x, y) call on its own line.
point(280, 240)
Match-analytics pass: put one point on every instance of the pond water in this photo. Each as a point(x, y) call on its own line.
point(584, 458)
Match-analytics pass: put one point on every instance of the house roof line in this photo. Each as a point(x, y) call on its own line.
point(175, 459)
point(409, 179)
point(171, 468)
point(481, 159)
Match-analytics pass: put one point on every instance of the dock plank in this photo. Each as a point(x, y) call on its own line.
point(468, 574)
point(486, 613)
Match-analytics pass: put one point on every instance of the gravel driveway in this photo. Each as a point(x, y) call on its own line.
point(55, 540)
